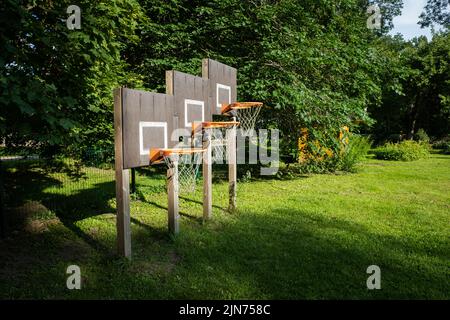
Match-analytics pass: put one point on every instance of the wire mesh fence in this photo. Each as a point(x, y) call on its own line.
point(69, 187)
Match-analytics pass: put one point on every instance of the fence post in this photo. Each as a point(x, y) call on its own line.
point(122, 183)
point(172, 195)
point(207, 175)
point(232, 167)
point(133, 180)
point(2, 212)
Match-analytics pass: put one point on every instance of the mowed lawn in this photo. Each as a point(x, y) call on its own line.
point(307, 238)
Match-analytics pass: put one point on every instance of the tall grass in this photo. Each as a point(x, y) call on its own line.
point(356, 151)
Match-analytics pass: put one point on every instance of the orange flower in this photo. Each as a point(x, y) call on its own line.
point(329, 152)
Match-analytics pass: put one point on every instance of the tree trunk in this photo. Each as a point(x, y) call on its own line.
point(413, 112)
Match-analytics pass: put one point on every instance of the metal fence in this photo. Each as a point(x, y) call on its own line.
point(66, 187)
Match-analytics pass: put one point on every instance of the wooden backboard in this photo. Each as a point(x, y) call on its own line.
point(155, 120)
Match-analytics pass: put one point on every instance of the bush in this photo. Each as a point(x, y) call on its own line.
point(404, 151)
point(446, 149)
point(422, 136)
point(356, 151)
point(443, 145)
point(347, 152)
point(293, 170)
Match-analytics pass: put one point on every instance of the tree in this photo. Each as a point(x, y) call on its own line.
point(417, 87)
point(56, 84)
point(310, 61)
point(313, 62)
point(436, 11)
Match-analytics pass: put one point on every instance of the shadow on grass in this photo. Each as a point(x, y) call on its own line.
point(294, 254)
point(201, 203)
point(154, 233)
point(184, 214)
point(288, 253)
point(84, 204)
point(27, 183)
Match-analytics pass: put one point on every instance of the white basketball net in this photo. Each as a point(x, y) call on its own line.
point(219, 142)
point(247, 119)
point(188, 170)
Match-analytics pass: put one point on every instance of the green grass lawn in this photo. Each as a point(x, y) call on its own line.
point(307, 238)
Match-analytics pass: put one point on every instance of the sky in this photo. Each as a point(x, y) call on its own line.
point(406, 23)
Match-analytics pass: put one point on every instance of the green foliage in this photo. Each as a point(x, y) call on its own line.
point(344, 156)
point(444, 139)
point(314, 63)
point(416, 87)
point(446, 148)
point(436, 12)
point(443, 145)
point(354, 153)
point(311, 62)
point(422, 136)
point(404, 151)
point(56, 84)
point(310, 167)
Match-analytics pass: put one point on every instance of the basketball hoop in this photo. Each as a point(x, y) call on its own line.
point(246, 112)
point(218, 133)
point(186, 161)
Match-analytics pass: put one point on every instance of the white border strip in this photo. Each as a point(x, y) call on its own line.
point(194, 102)
point(222, 86)
point(142, 125)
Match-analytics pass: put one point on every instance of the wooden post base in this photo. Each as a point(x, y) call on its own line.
point(232, 168)
point(207, 177)
point(172, 194)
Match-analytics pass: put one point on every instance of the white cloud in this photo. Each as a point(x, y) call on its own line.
point(410, 13)
point(406, 23)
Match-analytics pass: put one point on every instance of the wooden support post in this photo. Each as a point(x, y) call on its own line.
point(133, 180)
point(232, 167)
point(207, 176)
point(122, 183)
point(2, 212)
point(172, 194)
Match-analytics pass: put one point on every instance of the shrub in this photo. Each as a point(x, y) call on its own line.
point(394, 137)
point(356, 150)
point(422, 136)
point(404, 151)
point(443, 145)
point(320, 150)
point(343, 154)
point(293, 170)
